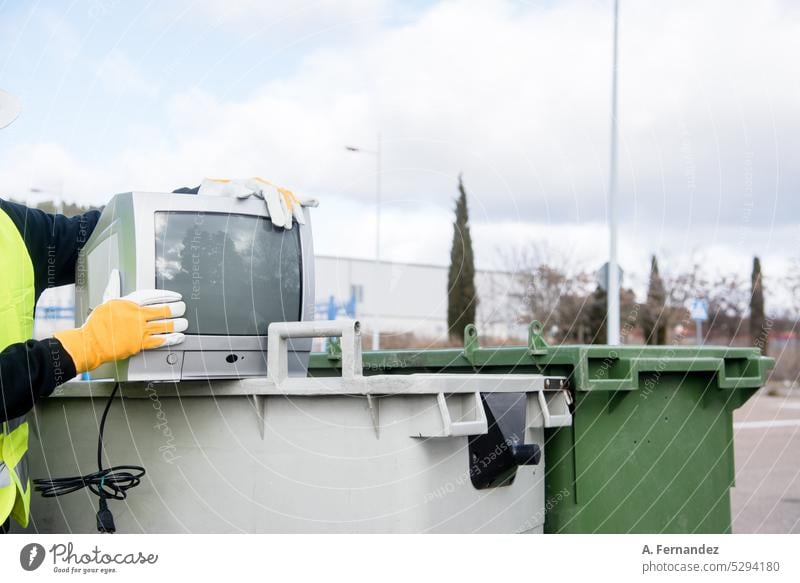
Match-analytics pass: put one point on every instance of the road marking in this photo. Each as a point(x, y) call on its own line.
point(767, 424)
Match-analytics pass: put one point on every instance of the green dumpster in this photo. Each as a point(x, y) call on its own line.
point(650, 449)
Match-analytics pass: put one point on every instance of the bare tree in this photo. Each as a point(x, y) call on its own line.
point(728, 297)
point(793, 284)
point(548, 286)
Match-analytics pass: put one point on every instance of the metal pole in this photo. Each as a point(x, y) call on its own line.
point(698, 326)
point(376, 331)
point(613, 323)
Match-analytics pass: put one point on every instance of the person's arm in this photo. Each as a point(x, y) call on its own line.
point(116, 329)
point(29, 371)
point(53, 242)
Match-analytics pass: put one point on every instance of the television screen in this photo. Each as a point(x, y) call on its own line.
point(237, 273)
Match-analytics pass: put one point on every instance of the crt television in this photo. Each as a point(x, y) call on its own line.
point(236, 271)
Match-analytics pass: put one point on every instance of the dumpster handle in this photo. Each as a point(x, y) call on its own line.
point(279, 334)
point(449, 428)
point(476, 426)
point(549, 419)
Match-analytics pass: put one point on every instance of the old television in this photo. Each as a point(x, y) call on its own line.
point(236, 271)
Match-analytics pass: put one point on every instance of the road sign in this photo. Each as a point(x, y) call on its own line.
point(601, 276)
point(699, 310)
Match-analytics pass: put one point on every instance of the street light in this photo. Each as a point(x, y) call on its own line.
point(612, 324)
point(376, 333)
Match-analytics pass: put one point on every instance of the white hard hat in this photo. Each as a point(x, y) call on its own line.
point(9, 108)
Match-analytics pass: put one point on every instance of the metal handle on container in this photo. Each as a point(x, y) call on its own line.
point(449, 428)
point(279, 334)
point(458, 428)
point(549, 419)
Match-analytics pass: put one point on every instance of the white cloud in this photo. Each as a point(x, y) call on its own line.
point(516, 96)
point(290, 23)
point(50, 168)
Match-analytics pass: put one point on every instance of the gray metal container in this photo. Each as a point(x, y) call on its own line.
point(384, 453)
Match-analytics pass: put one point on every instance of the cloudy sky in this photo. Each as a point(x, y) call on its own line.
point(514, 94)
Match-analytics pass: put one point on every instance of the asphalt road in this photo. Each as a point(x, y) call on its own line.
point(766, 498)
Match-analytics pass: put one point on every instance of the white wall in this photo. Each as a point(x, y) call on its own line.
point(409, 297)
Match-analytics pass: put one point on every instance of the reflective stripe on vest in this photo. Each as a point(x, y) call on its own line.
point(17, 296)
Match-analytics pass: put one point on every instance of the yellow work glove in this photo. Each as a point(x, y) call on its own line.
point(120, 328)
point(283, 206)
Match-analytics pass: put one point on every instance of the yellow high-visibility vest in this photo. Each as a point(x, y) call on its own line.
point(17, 299)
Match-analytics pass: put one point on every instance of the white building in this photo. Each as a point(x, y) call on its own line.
point(411, 298)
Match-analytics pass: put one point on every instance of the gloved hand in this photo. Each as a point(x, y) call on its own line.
point(282, 204)
point(121, 327)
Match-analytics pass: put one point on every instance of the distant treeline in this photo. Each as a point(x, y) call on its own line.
point(69, 209)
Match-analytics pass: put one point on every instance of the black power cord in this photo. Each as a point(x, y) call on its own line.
point(110, 483)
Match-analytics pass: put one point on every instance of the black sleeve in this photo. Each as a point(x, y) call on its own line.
point(31, 370)
point(53, 242)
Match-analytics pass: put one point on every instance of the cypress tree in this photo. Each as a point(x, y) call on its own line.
point(461, 295)
point(759, 333)
point(653, 315)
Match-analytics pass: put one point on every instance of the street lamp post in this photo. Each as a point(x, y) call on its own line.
point(376, 333)
point(612, 324)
